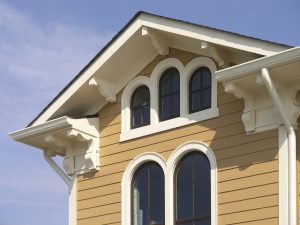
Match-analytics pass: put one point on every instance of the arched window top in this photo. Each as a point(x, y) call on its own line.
point(140, 107)
point(200, 93)
point(147, 195)
point(169, 94)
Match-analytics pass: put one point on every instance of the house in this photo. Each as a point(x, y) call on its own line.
point(177, 123)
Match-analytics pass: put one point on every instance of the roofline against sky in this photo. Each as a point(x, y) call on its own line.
point(138, 14)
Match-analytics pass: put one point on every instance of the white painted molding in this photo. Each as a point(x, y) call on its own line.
point(168, 168)
point(72, 192)
point(157, 41)
point(283, 160)
point(77, 140)
point(172, 162)
point(153, 84)
point(127, 182)
point(105, 88)
point(248, 116)
point(215, 53)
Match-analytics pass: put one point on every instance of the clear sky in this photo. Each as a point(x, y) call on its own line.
point(43, 44)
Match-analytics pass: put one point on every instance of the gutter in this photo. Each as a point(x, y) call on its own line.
point(292, 169)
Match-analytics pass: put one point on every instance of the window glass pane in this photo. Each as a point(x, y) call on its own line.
point(140, 107)
point(206, 78)
point(184, 189)
point(202, 185)
point(206, 97)
point(166, 107)
point(196, 81)
point(203, 222)
point(175, 107)
point(157, 195)
point(196, 101)
point(169, 94)
point(140, 197)
point(200, 82)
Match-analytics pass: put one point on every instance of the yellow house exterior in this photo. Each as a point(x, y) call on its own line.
point(249, 132)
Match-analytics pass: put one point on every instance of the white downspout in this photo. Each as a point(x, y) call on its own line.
point(292, 187)
point(57, 169)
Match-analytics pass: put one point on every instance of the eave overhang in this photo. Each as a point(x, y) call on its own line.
point(77, 140)
point(145, 37)
point(245, 81)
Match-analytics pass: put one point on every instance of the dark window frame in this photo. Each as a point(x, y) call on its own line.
point(161, 96)
point(147, 164)
point(200, 89)
point(194, 218)
point(132, 126)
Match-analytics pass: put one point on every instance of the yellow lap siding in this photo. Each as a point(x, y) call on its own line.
point(247, 164)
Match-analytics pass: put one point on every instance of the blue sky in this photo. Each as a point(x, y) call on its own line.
point(43, 44)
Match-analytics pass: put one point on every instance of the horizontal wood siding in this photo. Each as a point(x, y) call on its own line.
point(247, 164)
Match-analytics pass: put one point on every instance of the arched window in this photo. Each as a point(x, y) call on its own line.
point(193, 190)
point(169, 94)
point(140, 107)
point(148, 204)
point(200, 90)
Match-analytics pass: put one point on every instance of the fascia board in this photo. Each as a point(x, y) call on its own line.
point(212, 35)
point(89, 72)
point(248, 68)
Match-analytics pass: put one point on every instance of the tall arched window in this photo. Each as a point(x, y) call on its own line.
point(193, 190)
point(200, 90)
point(148, 204)
point(140, 107)
point(169, 94)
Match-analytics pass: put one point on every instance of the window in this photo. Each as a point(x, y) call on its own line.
point(140, 107)
point(193, 190)
point(200, 90)
point(190, 194)
point(169, 94)
point(148, 205)
point(174, 95)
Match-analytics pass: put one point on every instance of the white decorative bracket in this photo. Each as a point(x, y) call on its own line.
point(105, 88)
point(157, 41)
point(77, 140)
point(248, 116)
point(215, 53)
point(259, 113)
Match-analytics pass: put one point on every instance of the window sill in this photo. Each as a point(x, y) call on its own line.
point(169, 124)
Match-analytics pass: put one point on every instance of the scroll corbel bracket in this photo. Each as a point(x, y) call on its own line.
point(157, 41)
point(55, 145)
point(248, 116)
point(219, 56)
point(105, 88)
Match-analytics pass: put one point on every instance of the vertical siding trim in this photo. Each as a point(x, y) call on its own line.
point(283, 176)
point(73, 200)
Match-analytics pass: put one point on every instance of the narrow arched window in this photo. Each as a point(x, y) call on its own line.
point(193, 194)
point(169, 94)
point(140, 107)
point(200, 90)
point(148, 204)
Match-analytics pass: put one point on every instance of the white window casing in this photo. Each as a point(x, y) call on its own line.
point(168, 168)
point(152, 83)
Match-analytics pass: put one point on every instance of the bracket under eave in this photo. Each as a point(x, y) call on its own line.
point(105, 88)
point(156, 40)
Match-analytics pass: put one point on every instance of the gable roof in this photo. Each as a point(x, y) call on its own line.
point(217, 36)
